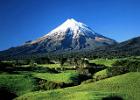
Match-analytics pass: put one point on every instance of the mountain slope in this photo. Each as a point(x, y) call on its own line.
point(69, 36)
point(126, 48)
point(126, 85)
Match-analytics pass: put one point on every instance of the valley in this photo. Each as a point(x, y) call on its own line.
point(71, 81)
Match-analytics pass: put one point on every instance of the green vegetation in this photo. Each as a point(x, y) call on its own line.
point(123, 66)
point(50, 65)
point(100, 75)
point(132, 65)
point(55, 66)
point(19, 84)
point(106, 62)
point(38, 79)
point(127, 86)
point(66, 77)
point(65, 94)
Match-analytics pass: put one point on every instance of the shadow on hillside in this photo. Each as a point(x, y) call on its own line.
point(112, 98)
point(79, 79)
point(5, 94)
point(49, 85)
point(11, 70)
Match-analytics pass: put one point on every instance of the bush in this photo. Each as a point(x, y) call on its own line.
point(49, 85)
point(7, 64)
point(116, 70)
point(134, 66)
point(33, 63)
point(124, 66)
point(43, 60)
point(131, 65)
point(22, 62)
point(101, 75)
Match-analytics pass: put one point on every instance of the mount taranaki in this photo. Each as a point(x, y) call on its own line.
point(69, 36)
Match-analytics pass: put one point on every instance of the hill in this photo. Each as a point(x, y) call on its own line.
point(130, 47)
point(124, 86)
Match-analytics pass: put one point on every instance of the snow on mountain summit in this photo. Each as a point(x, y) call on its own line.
point(71, 35)
point(70, 23)
point(69, 27)
point(73, 26)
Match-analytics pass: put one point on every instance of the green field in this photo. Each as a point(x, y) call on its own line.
point(25, 82)
point(55, 65)
point(66, 77)
point(106, 62)
point(127, 86)
point(101, 74)
point(53, 82)
point(50, 65)
point(19, 84)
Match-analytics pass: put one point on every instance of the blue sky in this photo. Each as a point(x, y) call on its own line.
point(23, 20)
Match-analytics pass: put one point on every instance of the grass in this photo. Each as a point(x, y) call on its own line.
point(50, 65)
point(18, 84)
point(68, 95)
point(66, 77)
point(26, 82)
point(55, 65)
point(106, 62)
point(23, 84)
point(126, 85)
point(101, 74)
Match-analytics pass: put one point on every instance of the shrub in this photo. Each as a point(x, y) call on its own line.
point(124, 66)
point(49, 85)
point(131, 65)
point(100, 75)
point(22, 62)
point(33, 63)
point(43, 60)
point(116, 70)
point(7, 64)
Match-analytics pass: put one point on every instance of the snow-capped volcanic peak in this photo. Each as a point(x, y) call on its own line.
point(69, 36)
point(74, 27)
point(69, 23)
point(72, 35)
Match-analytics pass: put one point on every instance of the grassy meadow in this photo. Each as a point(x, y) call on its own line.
point(125, 86)
point(20, 84)
point(64, 82)
point(65, 77)
point(106, 62)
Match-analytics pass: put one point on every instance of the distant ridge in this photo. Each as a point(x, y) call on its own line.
point(130, 47)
